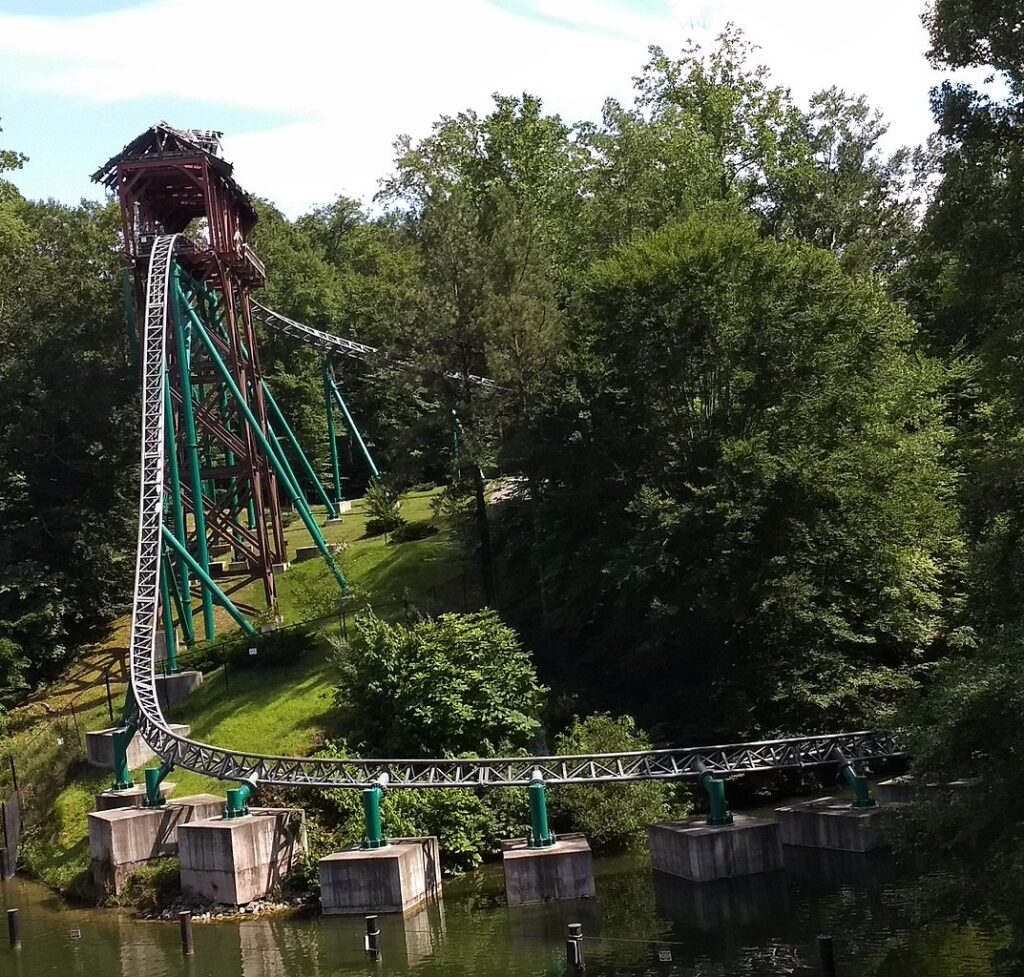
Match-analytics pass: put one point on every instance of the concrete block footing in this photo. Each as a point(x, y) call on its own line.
point(99, 747)
point(173, 688)
point(831, 823)
point(565, 870)
point(696, 851)
point(233, 861)
point(278, 569)
point(111, 800)
point(303, 553)
point(122, 839)
point(396, 879)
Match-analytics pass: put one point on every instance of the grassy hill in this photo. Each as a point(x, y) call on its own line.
point(283, 710)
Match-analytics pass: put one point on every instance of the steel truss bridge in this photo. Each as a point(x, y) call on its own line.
point(163, 304)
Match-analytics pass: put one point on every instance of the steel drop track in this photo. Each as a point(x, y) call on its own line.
point(671, 764)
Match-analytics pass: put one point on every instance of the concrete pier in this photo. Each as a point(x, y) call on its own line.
point(173, 688)
point(564, 870)
point(694, 850)
point(233, 861)
point(122, 839)
point(111, 800)
point(831, 823)
point(99, 747)
point(724, 904)
point(303, 553)
point(398, 878)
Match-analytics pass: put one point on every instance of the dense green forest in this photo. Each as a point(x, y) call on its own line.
point(759, 417)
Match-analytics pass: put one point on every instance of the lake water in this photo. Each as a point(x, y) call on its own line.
point(878, 911)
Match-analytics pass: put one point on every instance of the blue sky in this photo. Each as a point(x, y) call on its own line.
point(311, 93)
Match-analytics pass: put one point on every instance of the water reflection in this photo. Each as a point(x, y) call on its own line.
point(760, 926)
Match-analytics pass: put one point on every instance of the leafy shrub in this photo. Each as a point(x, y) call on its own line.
point(13, 667)
point(612, 816)
point(382, 509)
point(275, 649)
point(410, 531)
point(153, 886)
point(456, 684)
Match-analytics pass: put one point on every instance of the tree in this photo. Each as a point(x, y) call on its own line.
point(612, 816)
point(457, 684)
point(745, 504)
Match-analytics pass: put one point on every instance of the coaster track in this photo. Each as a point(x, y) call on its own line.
point(179, 751)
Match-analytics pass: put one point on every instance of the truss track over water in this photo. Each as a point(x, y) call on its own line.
point(179, 751)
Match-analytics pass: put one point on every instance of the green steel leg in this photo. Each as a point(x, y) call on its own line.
point(209, 583)
point(178, 511)
point(353, 430)
point(374, 836)
point(192, 444)
point(268, 447)
point(170, 638)
point(859, 784)
point(122, 739)
point(540, 835)
point(237, 801)
point(718, 810)
point(154, 778)
point(284, 426)
point(332, 433)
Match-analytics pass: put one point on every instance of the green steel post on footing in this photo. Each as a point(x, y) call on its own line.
point(209, 583)
point(351, 425)
point(718, 811)
point(187, 625)
point(265, 443)
point(170, 638)
point(192, 445)
point(858, 783)
point(154, 778)
point(297, 448)
point(540, 835)
point(122, 774)
point(374, 834)
point(237, 801)
point(332, 433)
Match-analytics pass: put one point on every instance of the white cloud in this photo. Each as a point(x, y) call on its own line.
point(350, 76)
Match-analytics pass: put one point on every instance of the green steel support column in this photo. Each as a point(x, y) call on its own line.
point(353, 430)
point(540, 835)
point(283, 425)
point(269, 449)
point(170, 638)
point(209, 583)
point(178, 511)
point(192, 446)
point(859, 784)
point(154, 778)
point(122, 775)
point(237, 801)
point(179, 604)
point(285, 463)
point(229, 458)
point(718, 810)
point(374, 836)
point(332, 433)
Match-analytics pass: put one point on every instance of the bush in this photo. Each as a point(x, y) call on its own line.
point(457, 684)
point(410, 531)
point(382, 510)
point(612, 816)
point(153, 886)
point(275, 649)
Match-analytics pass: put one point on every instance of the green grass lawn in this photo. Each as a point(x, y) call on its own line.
point(274, 710)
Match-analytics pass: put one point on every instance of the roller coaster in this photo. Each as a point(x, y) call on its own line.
point(192, 298)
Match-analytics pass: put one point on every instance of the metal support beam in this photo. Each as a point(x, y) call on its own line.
point(265, 443)
point(178, 513)
point(351, 425)
point(718, 811)
point(332, 432)
point(209, 583)
point(283, 425)
point(540, 834)
point(154, 778)
point(192, 452)
point(170, 638)
point(374, 833)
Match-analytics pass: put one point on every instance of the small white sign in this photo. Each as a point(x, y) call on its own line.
point(665, 956)
point(76, 934)
point(60, 740)
point(253, 652)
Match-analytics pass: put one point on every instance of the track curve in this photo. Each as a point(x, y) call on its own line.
point(179, 751)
